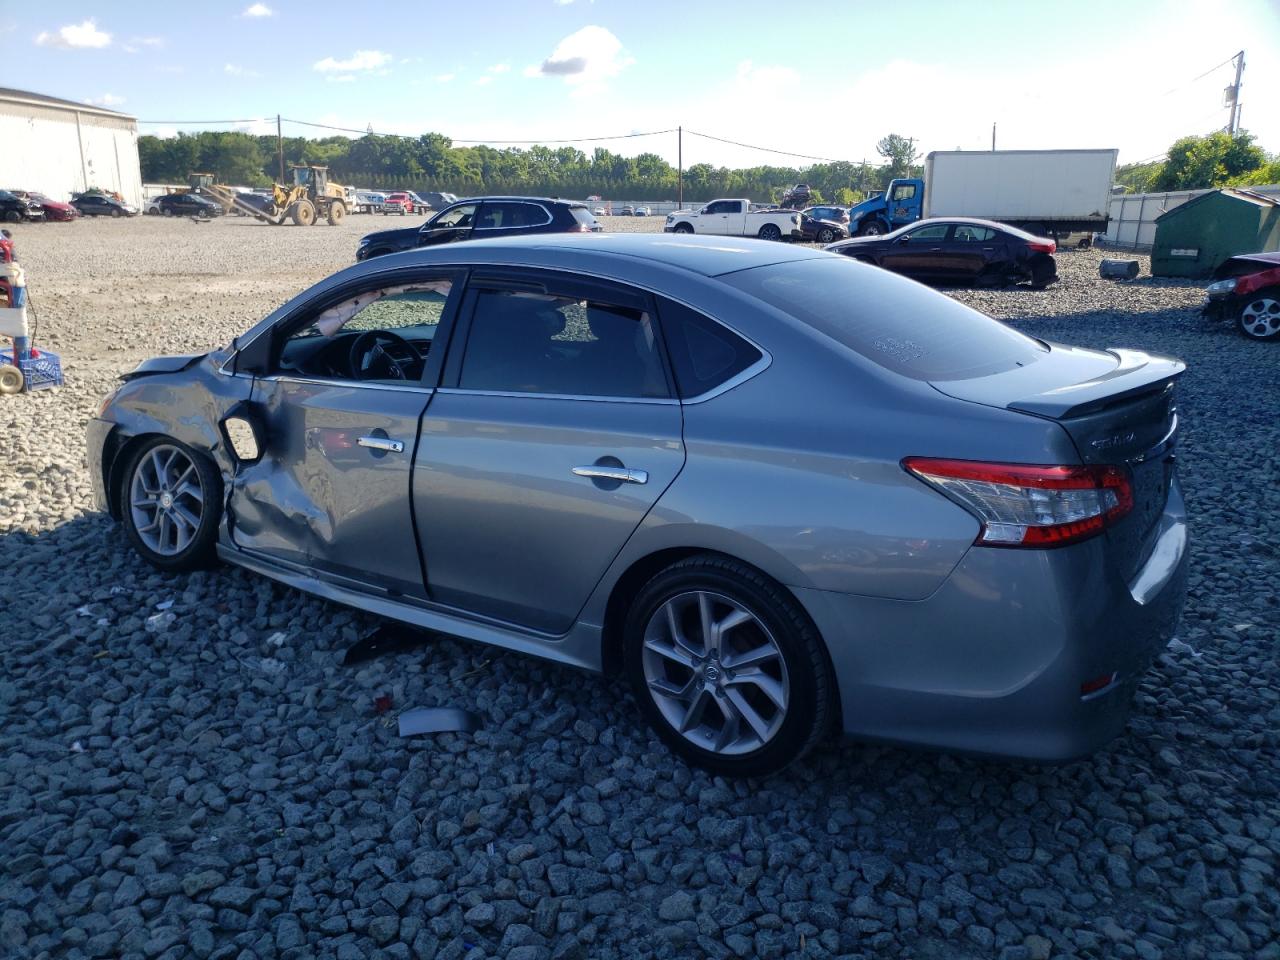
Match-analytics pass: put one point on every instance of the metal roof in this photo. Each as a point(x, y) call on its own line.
point(43, 100)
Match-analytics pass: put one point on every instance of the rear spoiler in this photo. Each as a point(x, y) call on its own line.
point(1135, 375)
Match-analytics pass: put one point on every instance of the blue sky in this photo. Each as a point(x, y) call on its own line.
point(821, 78)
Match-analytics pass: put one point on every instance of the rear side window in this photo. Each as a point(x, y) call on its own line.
point(897, 324)
point(704, 353)
point(583, 216)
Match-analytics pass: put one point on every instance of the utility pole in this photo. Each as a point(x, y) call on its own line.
point(680, 166)
point(1233, 124)
point(280, 148)
point(993, 137)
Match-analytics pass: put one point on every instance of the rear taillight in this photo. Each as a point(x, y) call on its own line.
point(1042, 246)
point(1021, 505)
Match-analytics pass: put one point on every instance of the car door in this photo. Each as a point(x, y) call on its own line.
point(506, 218)
point(971, 248)
point(449, 225)
point(714, 218)
point(918, 252)
point(554, 432)
point(331, 492)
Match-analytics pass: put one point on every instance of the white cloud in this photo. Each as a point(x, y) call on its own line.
point(235, 70)
point(341, 78)
point(588, 58)
point(258, 10)
point(106, 100)
point(500, 68)
point(445, 77)
point(565, 3)
point(76, 36)
point(484, 81)
point(360, 60)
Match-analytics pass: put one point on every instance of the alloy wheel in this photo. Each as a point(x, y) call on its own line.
point(166, 498)
point(715, 673)
point(1260, 318)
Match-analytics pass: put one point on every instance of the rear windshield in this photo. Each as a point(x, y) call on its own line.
point(896, 323)
point(583, 216)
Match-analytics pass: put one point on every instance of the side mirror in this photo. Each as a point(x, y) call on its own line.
point(904, 239)
point(243, 435)
point(6, 234)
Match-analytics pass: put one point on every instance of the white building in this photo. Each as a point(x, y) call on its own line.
point(60, 147)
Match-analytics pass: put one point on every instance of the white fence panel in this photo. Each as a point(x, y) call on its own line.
point(1133, 215)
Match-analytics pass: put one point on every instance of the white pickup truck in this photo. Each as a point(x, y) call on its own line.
point(736, 218)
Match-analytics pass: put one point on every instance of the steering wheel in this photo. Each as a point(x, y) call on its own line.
point(381, 364)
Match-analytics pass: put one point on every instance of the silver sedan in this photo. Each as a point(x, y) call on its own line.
point(783, 492)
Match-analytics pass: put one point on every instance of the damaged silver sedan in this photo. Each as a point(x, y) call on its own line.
point(783, 492)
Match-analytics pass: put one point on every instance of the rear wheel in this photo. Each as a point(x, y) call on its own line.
point(115, 211)
point(770, 231)
point(170, 502)
point(1043, 272)
point(872, 229)
point(1260, 315)
point(727, 668)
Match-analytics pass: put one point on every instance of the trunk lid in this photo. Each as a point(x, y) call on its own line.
point(1118, 408)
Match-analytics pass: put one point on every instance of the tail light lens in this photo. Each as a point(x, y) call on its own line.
point(1021, 505)
point(1042, 246)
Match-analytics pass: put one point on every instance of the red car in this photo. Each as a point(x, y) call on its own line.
point(1246, 291)
point(53, 209)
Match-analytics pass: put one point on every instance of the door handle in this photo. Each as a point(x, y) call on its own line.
point(620, 474)
point(381, 443)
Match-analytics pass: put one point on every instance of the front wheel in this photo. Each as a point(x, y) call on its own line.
point(826, 235)
point(873, 229)
point(171, 502)
point(115, 213)
point(727, 668)
point(1260, 315)
point(13, 216)
point(770, 231)
point(682, 228)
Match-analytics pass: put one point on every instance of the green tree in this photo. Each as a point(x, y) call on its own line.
point(900, 152)
point(845, 197)
point(1214, 160)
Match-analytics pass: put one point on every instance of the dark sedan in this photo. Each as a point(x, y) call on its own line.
point(15, 209)
point(187, 205)
point(823, 224)
point(959, 251)
point(100, 205)
point(483, 217)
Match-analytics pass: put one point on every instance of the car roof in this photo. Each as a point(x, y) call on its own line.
point(972, 221)
point(709, 256)
point(559, 200)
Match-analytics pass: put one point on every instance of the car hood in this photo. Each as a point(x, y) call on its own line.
point(398, 237)
point(54, 205)
point(843, 245)
point(1267, 258)
point(167, 364)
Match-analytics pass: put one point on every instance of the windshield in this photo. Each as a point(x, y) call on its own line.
point(896, 323)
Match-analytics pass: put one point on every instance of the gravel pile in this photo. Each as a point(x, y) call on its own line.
point(187, 769)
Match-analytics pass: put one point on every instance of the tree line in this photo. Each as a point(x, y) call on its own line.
point(1197, 163)
point(432, 162)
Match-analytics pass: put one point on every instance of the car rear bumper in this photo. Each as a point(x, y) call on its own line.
point(996, 660)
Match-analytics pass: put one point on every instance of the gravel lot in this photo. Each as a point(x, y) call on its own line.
point(187, 769)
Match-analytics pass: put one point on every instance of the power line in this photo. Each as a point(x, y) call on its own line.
point(405, 136)
point(752, 146)
point(1183, 86)
point(192, 123)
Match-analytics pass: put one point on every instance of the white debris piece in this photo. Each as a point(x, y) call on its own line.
point(1177, 646)
point(277, 639)
point(164, 604)
point(159, 622)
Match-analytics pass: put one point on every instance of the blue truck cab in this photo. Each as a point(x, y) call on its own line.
point(901, 203)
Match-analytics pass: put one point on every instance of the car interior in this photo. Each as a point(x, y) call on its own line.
point(380, 335)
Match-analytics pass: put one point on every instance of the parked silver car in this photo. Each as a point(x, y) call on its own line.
point(782, 491)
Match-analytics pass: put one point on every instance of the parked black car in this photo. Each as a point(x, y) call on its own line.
point(15, 209)
point(187, 205)
point(824, 229)
point(438, 201)
point(100, 205)
point(479, 217)
point(838, 215)
point(959, 250)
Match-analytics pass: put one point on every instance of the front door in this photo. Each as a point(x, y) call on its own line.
point(555, 432)
point(919, 252)
point(340, 410)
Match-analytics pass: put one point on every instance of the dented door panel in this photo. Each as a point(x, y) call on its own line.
point(322, 499)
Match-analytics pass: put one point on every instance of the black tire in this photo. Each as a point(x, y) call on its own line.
point(115, 211)
point(813, 700)
point(826, 235)
point(201, 551)
point(1043, 272)
point(13, 216)
point(770, 231)
point(873, 228)
point(166, 211)
point(682, 228)
point(1259, 315)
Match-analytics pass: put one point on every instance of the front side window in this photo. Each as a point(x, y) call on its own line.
point(459, 216)
point(904, 191)
point(524, 342)
point(937, 231)
point(377, 335)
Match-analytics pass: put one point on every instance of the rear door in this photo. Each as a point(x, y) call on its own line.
point(735, 221)
point(553, 434)
point(971, 248)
